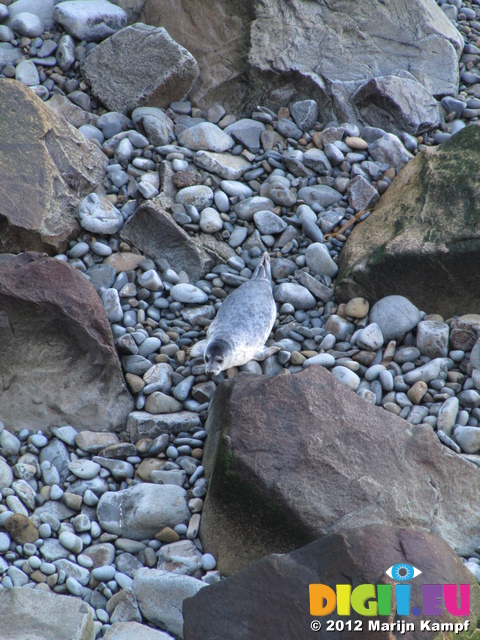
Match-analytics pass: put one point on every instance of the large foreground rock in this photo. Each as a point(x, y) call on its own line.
point(292, 458)
point(31, 613)
point(155, 233)
point(46, 168)
point(423, 239)
point(270, 599)
point(342, 47)
point(140, 66)
point(58, 364)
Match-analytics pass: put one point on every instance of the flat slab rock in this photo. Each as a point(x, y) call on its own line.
point(293, 458)
point(59, 166)
point(423, 226)
point(270, 599)
point(31, 613)
point(140, 66)
point(156, 234)
point(58, 363)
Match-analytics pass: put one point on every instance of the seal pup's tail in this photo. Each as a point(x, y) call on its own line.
point(263, 269)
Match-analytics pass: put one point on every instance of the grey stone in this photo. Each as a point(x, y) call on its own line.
point(27, 24)
point(268, 223)
point(468, 438)
point(390, 150)
point(98, 215)
point(447, 416)
point(305, 113)
point(142, 510)
point(151, 68)
point(141, 424)
point(398, 104)
point(91, 20)
point(317, 160)
point(370, 338)
point(224, 165)
point(319, 260)
point(49, 616)
point(247, 133)
point(278, 194)
point(153, 231)
point(245, 209)
point(396, 316)
point(157, 125)
point(434, 369)
point(295, 294)
point(207, 137)
point(361, 194)
point(432, 338)
point(320, 194)
point(199, 196)
point(160, 596)
point(181, 558)
point(129, 630)
point(43, 9)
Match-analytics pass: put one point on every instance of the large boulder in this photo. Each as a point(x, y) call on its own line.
point(249, 52)
point(423, 239)
point(270, 599)
point(58, 363)
point(140, 66)
point(31, 613)
point(291, 458)
point(153, 230)
point(46, 168)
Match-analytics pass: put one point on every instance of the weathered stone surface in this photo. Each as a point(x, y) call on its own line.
point(58, 363)
point(343, 46)
point(143, 510)
point(133, 8)
point(260, 600)
point(129, 630)
point(140, 66)
point(426, 224)
point(397, 104)
point(59, 166)
point(155, 233)
point(76, 116)
point(91, 20)
point(263, 500)
point(31, 613)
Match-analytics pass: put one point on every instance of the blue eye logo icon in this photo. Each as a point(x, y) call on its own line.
point(402, 572)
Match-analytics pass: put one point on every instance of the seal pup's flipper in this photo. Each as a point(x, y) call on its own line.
point(263, 354)
point(263, 269)
point(198, 349)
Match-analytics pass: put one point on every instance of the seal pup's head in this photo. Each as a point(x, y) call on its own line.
point(217, 356)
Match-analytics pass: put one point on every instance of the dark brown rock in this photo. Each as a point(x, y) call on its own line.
point(292, 458)
point(422, 241)
point(21, 529)
point(46, 168)
point(58, 363)
point(182, 179)
point(270, 599)
point(155, 233)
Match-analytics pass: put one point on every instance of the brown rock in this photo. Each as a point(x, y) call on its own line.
point(145, 468)
point(167, 535)
point(58, 363)
point(417, 392)
point(182, 179)
point(59, 167)
point(124, 261)
point(155, 233)
point(73, 501)
point(270, 599)
point(425, 224)
point(357, 308)
point(95, 441)
point(21, 529)
point(263, 500)
point(465, 331)
point(119, 451)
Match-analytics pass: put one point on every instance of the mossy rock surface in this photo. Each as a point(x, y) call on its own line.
point(423, 238)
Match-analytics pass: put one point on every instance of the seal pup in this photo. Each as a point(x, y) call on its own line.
point(242, 324)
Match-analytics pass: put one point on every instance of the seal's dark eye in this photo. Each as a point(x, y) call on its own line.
point(207, 358)
point(402, 572)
